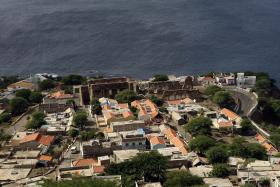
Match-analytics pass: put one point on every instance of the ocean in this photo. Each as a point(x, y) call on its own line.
point(139, 38)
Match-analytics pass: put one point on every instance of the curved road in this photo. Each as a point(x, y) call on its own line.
point(248, 104)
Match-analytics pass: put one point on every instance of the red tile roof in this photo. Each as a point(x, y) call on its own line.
point(84, 162)
point(156, 140)
point(30, 138)
point(98, 169)
point(46, 140)
point(260, 138)
point(230, 114)
point(45, 158)
point(42, 139)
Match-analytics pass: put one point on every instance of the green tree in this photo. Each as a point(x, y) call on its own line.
point(220, 170)
point(5, 117)
point(182, 179)
point(4, 136)
point(217, 154)
point(87, 135)
point(201, 143)
point(264, 182)
point(246, 127)
point(199, 126)
point(18, 105)
point(275, 139)
point(24, 93)
point(73, 133)
point(238, 147)
point(255, 150)
point(95, 107)
point(150, 165)
point(126, 96)
point(159, 102)
point(36, 121)
point(46, 84)
point(80, 119)
point(160, 77)
point(211, 90)
point(74, 80)
point(36, 97)
point(223, 99)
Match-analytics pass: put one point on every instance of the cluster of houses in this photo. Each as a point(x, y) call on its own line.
point(126, 133)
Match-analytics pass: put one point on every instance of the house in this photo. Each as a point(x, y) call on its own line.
point(60, 97)
point(113, 111)
point(177, 118)
point(84, 162)
point(245, 81)
point(156, 142)
point(207, 81)
point(54, 108)
point(124, 155)
point(130, 125)
point(45, 160)
point(201, 171)
point(133, 139)
point(103, 161)
point(171, 135)
point(217, 182)
point(33, 141)
point(258, 170)
point(231, 116)
point(270, 149)
point(58, 123)
point(23, 84)
point(95, 148)
point(147, 109)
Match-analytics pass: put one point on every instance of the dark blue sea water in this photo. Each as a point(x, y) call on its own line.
point(139, 37)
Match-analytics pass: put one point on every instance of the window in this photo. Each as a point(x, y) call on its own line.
point(133, 144)
point(126, 144)
point(140, 143)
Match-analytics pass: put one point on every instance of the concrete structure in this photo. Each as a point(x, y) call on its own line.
point(217, 182)
point(133, 139)
point(245, 81)
point(156, 142)
point(177, 118)
point(60, 97)
point(124, 155)
point(95, 148)
point(127, 125)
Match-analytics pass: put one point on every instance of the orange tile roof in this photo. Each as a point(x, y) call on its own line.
point(156, 140)
point(145, 106)
point(30, 137)
point(127, 114)
point(98, 169)
point(230, 114)
point(177, 142)
point(46, 158)
point(108, 130)
point(46, 140)
point(225, 124)
point(84, 162)
point(60, 95)
point(260, 138)
point(269, 147)
point(170, 133)
point(123, 105)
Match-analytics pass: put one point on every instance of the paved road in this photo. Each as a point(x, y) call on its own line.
point(20, 125)
point(248, 103)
